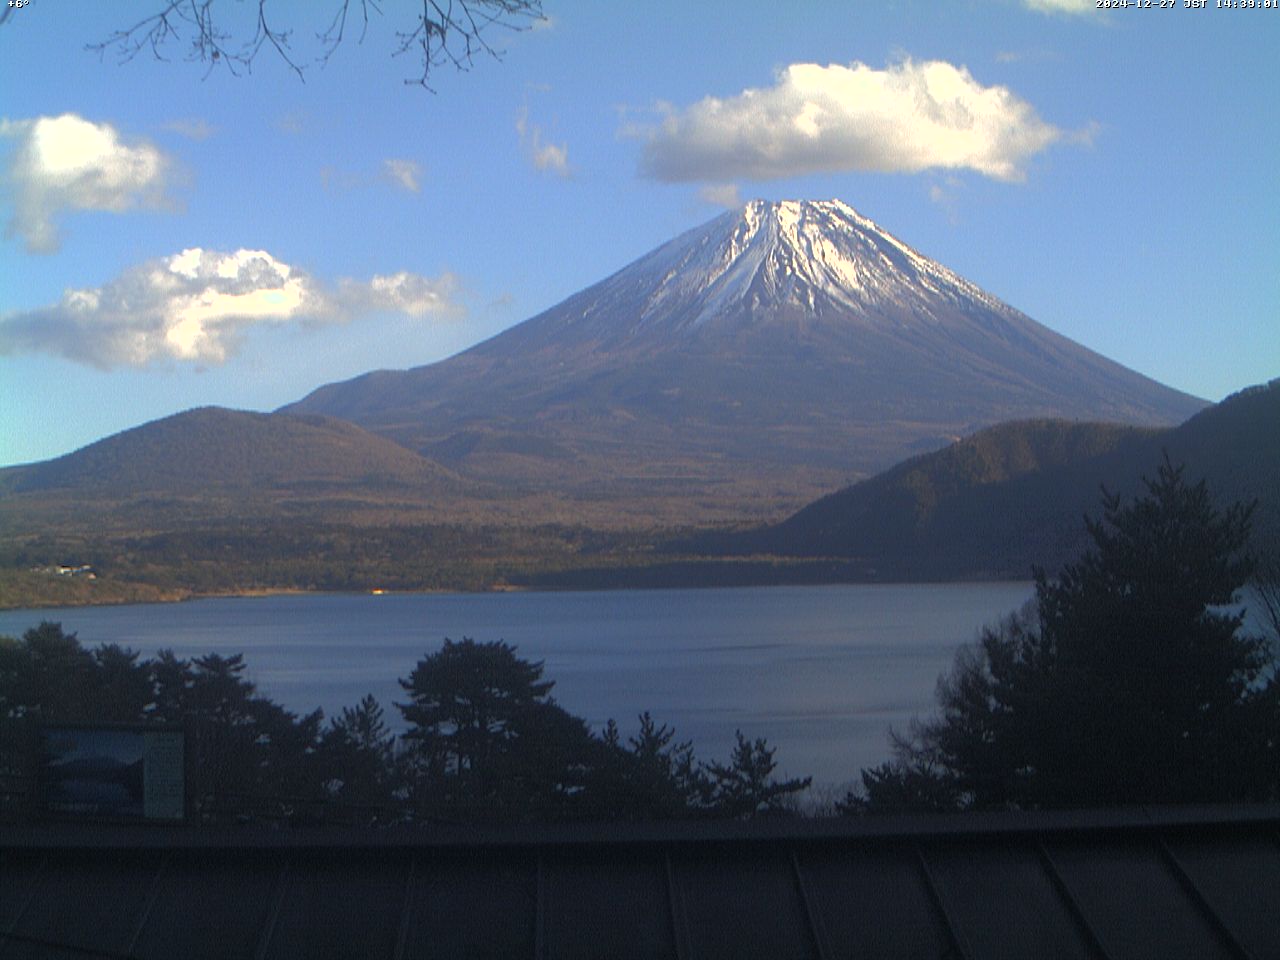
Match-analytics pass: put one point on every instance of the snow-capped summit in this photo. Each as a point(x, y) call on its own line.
point(802, 253)
point(772, 352)
point(819, 258)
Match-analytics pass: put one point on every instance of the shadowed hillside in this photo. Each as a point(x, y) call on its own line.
point(1011, 496)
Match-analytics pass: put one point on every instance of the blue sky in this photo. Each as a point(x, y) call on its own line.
point(176, 236)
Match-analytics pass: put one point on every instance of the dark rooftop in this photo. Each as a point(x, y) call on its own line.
point(1161, 883)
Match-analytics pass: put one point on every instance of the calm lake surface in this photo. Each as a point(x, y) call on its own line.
point(822, 672)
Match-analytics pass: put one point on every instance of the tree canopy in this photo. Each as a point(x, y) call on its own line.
point(487, 741)
point(1130, 680)
point(466, 699)
point(484, 741)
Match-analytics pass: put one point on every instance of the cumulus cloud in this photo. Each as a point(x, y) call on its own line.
point(198, 305)
point(548, 157)
point(905, 118)
point(68, 163)
point(405, 174)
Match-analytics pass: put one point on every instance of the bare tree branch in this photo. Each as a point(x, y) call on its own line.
point(332, 38)
point(175, 22)
point(444, 32)
point(278, 38)
point(455, 32)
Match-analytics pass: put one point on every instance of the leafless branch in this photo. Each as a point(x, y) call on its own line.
point(176, 21)
point(278, 39)
point(332, 38)
point(445, 32)
point(455, 32)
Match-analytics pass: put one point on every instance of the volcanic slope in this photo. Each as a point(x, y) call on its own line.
point(213, 464)
point(772, 354)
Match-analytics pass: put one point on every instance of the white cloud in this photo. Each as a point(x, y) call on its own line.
point(197, 306)
point(906, 118)
point(398, 173)
point(722, 195)
point(548, 157)
point(1077, 7)
point(405, 174)
point(69, 163)
point(401, 292)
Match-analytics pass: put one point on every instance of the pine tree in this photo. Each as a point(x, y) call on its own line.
point(745, 786)
point(1131, 681)
point(468, 704)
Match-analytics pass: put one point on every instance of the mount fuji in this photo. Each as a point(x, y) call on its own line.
point(775, 353)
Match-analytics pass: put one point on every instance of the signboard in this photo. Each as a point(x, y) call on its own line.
point(114, 773)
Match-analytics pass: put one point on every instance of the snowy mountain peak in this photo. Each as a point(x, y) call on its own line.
point(779, 347)
point(827, 247)
point(818, 257)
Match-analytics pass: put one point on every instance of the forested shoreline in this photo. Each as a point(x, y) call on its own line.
point(484, 741)
point(987, 507)
point(1127, 680)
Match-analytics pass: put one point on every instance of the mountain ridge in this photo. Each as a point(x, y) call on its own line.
point(726, 379)
point(212, 465)
point(220, 447)
point(770, 354)
point(1012, 495)
point(988, 506)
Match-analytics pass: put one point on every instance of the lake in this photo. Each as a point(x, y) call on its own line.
point(822, 672)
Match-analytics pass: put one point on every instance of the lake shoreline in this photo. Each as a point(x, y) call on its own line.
point(46, 591)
